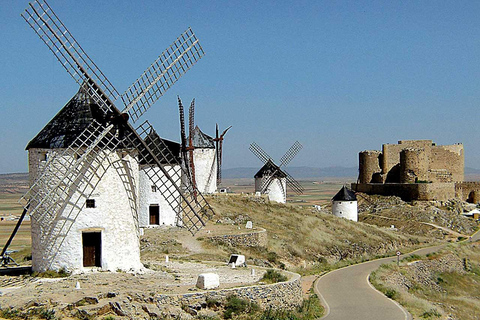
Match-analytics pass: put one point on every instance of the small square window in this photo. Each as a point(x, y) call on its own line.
point(44, 156)
point(90, 203)
point(154, 188)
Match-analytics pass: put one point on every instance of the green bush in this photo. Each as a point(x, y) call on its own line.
point(273, 276)
point(391, 293)
point(309, 310)
point(430, 314)
point(236, 306)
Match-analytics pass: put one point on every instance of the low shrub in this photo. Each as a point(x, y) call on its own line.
point(273, 276)
point(236, 306)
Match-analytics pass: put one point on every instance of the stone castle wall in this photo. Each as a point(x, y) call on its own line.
point(409, 191)
point(468, 191)
point(434, 168)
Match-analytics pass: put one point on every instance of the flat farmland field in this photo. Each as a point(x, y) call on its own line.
point(316, 192)
point(9, 207)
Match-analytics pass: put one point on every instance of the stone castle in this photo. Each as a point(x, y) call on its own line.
point(416, 170)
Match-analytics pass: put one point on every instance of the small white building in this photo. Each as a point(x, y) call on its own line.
point(272, 181)
point(154, 209)
point(100, 231)
point(344, 204)
point(205, 162)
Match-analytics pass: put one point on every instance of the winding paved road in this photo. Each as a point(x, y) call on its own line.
point(348, 295)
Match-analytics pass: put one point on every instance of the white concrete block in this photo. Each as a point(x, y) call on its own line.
point(238, 260)
point(208, 281)
point(249, 225)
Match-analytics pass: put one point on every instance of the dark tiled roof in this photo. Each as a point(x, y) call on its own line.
point(202, 140)
point(268, 169)
point(345, 195)
point(68, 123)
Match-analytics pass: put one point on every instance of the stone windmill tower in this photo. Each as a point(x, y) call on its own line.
point(344, 204)
point(85, 164)
point(271, 179)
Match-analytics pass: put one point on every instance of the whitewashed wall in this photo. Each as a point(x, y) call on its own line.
point(57, 238)
point(147, 197)
point(205, 162)
point(345, 209)
point(277, 191)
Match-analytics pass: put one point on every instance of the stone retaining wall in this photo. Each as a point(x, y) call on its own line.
point(282, 295)
point(252, 239)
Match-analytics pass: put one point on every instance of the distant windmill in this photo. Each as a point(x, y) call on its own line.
point(271, 179)
point(83, 203)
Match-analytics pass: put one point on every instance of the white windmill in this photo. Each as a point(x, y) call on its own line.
point(271, 179)
point(202, 154)
point(83, 201)
point(344, 204)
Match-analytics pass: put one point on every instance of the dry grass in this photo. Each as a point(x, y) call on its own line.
point(297, 234)
point(456, 296)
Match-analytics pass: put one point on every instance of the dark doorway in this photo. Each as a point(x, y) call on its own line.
point(92, 249)
point(154, 214)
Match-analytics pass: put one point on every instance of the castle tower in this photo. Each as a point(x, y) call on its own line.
point(271, 180)
point(369, 164)
point(344, 204)
point(100, 231)
point(413, 165)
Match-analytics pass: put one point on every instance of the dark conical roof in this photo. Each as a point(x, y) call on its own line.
point(345, 195)
point(268, 169)
point(202, 140)
point(159, 146)
point(68, 123)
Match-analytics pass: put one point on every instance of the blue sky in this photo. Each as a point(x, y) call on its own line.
point(339, 76)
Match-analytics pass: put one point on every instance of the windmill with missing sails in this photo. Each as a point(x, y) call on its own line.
point(84, 200)
point(272, 179)
point(201, 154)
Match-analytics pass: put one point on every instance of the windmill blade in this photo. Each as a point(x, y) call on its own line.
point(162, 74)
point(184, 141)
point(191, 207)
point(70, 170)
point(262, 155)
point(293, 184)
point(290, 154)
point(69, 53)
point(191, 121)
point(219, 153)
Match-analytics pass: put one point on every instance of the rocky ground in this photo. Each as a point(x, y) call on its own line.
point(443, 285)
point(438, 219)
point(120, 294)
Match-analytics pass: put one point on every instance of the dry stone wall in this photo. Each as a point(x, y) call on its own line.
point(252, 239)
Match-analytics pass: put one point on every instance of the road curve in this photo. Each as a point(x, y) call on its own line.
point(347, 294)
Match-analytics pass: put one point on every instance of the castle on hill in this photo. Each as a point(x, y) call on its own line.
point(416, 170)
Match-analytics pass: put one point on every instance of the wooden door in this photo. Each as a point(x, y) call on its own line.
point(154, 214)
point(92, 246)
